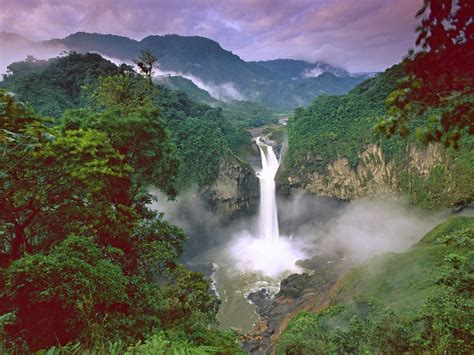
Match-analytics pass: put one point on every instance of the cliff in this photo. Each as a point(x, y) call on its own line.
point(235, 191)
point(373, 175)
point(335, 150)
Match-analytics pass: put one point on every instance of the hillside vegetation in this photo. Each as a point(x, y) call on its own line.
point(201, 134)
point(230, 77)
point(241, 113)
point(83, 260)
point(341, 126)
point(335, 127)
point(419, 300)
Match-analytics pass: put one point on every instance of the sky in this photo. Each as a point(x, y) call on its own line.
point(359, 35)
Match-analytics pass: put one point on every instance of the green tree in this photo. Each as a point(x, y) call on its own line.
point(55, 85)
point(82, 257)
point(147, 62)
point(440, 78)
point(125, 92)
point(67, 294)
point(122, 108)
point(75, 170)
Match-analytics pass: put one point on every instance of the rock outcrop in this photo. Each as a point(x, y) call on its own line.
point(299, 292)
point(374, 174)
point(235, 191)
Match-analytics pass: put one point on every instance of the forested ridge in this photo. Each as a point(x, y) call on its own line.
point(335, 127)
point(83, 257)
point(224, 74)
point(201, 134)
point(426, 99)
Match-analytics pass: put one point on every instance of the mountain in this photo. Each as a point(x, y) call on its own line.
point(291, 69)
point(198, 56)
point(281, 84)
point(14, 48)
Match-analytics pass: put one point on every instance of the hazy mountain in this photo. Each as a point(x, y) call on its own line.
point(15, 48)
point(291, 69)
point(195, 55)
point(281, 84)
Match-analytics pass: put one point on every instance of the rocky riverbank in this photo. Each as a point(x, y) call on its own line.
point(309, 291)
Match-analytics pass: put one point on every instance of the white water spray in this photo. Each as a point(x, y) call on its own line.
point(266, 253)
point(268, 216)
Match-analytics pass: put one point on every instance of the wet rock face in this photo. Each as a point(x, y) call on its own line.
point(235, 191)
point(294, 285)
point(262, 299)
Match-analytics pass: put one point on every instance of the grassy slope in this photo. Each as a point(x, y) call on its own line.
point(403, 281)
point(400, 281)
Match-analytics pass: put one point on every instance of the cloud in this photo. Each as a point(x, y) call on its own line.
point(361, 35)
point(225, 92)
point(365, 228)
point(18, 48)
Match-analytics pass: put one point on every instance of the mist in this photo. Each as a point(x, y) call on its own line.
point(312, 73)
point(223, 92)
point(314, 231)
point(364, 228)
point(17, 48)
point(310, 226)
point(204, 228)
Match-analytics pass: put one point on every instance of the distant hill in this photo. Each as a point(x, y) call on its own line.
point(195, 55)
point(281, 84)
point(14, 48)
point(8, 37)
point(291, 69)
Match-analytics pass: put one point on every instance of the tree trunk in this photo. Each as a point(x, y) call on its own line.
point(19, 243)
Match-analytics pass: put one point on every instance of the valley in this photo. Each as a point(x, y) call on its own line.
point(162, 194)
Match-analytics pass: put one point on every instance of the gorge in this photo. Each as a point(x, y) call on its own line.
point(164, 195)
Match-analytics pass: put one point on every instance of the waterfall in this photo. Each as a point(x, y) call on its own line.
point(268, 217)
point(266, 252)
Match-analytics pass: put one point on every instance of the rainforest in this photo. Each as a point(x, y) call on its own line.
point(308, 190)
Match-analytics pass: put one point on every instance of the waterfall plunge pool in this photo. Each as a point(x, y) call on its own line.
point(252, 261)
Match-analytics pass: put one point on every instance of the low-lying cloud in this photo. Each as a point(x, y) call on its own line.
point(365, 228)
point(18, 49)
point(224, 92)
